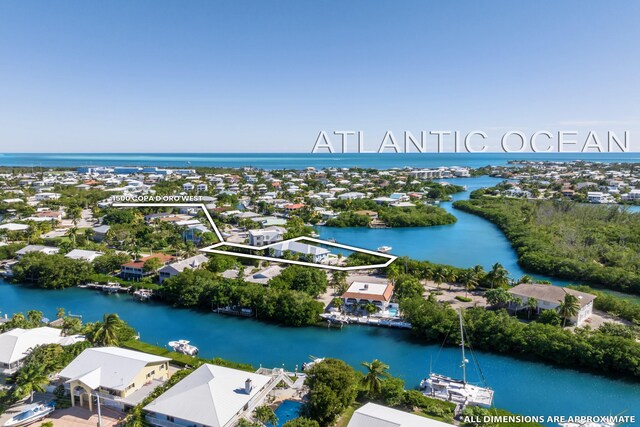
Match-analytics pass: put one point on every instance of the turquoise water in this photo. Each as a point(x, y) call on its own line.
point(296, 160)
point(520, 386)
point(288, 410)
point(469, 242)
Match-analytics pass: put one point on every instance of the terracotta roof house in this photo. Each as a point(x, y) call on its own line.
point(135, 270)
point(362, 293)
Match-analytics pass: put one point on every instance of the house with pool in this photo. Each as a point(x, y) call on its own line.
point(360, 293)
point(211, 396)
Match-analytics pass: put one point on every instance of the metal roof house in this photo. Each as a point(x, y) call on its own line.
point(122, 378)
point(373, 415)
point(211, 396)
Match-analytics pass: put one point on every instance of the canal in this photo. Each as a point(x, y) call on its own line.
point(520, 386)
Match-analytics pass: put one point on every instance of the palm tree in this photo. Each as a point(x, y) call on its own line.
point(439, 276)
point(338, 303)
point(106, 334)
point(339, 281)
point(470, 281)
point(373, 379)
point(265, 415)
point(568, 308)
point(499, 275)
point(370, 308)
point(532, 305)
point(29, 380)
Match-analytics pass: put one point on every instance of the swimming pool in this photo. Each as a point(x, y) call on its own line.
point(288, 410)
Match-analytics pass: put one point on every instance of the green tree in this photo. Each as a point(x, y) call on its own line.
point(301, 422)
point(30, 379)
point(532, 306)
point(106, 332)
point(265, 415)
point(498, 297)
point(568, 308)
point(372, 381)
point(332, 388)
point(498, 276)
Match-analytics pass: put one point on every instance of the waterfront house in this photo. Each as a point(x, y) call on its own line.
point(364, 293)
point(178, 267)
point(135, 270)
point(313, 253)
point(550, 297)
point(48, 250)
point(599, 197)
point(211, 396)
point(122, 378)
point(16, 344)
point(266, 236)
point(84, 255)
point(374, 415)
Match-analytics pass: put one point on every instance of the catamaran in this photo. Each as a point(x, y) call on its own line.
point(31, 414)
point(455, 390)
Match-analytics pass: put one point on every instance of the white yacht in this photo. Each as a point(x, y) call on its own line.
point(455, 390)
point(183, 346)
point(384, 249)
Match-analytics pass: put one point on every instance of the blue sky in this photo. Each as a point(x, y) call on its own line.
point(260, 76)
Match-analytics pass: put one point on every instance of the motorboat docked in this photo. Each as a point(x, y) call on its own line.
point(183, 346)
point(143, 294)
point(111, 288)
point(31, 414)
point(384, 249)
point(455, 390)
point(314, 361)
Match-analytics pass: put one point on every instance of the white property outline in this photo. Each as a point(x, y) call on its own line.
point(212, 249)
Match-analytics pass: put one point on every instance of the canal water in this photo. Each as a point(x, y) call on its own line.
point(520, 386)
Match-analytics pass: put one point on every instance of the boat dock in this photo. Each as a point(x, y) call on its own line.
point(343, 319)
point(109, 288)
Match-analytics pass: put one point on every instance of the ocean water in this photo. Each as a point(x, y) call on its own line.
point(296, 160)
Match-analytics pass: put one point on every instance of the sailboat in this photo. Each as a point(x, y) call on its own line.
point(455, 390)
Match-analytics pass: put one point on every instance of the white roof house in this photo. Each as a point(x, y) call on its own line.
point(373, 415)
point(83, 255)
point(110, 367)
point(16, 344)
point(49, 250)
point(212, 396)
point(12, 226)
point(317, 253)
point(121, 376)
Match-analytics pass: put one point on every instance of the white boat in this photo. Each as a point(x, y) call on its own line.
point(31, 414)
point(111, 288)
point(384, 249)
point(143, 294)
point(183, 346)
point(314, 361)
point(454, 390)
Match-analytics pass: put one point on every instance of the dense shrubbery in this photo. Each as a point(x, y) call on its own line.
point(202, 288)
point(51, 271)
point(611, 304)
point(594, 244)
point(349, 219)
point(418, 216)
point(499, 332)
